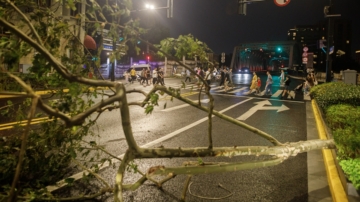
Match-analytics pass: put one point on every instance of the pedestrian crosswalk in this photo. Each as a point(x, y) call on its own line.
point(245, 90)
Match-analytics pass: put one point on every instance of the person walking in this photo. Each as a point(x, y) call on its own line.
point(143, 77)
point(286, 87)
point(126, 75)
point(282, 78)
point(230, 77)
point(253, 83)
point(269, 83)
point(160, 77)
point(155, 75)
point(208, 76)
point(188, 75)
point(148, 76)
point(200, 75)
point(258, 87)
point(222, 76)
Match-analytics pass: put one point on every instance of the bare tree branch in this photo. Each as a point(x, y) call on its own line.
point(31, 114)
point(281, 151)
point(93, 173)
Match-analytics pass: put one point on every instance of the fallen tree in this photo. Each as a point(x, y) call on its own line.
point(51, 36)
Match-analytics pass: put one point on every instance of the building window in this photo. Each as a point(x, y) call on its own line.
point(347, 41)
point(294, 34)
point(294, 38)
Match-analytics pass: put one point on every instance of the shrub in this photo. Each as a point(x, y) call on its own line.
point(351, 168)
point(347, 142)
point(336, 93)
point(342, 115)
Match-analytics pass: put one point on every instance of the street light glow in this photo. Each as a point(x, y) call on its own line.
point(149, 6)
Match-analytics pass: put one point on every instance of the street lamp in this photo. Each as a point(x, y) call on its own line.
point(150, 6)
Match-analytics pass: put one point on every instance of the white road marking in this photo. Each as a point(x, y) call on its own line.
point(261, 106)
point(278, 92)
point(291, 94)
point(183, 105)
point(79, 175)
point(240, 89)
point(307, 97)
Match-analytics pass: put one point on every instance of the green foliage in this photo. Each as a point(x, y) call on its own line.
point(342, 115)
point(351, 168)
point(185, 45)
point(340, 103)
point(336, 93)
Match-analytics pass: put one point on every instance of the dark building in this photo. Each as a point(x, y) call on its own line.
point(314, 38)
point(357, 56)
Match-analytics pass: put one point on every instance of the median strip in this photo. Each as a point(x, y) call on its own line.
point(336, 188)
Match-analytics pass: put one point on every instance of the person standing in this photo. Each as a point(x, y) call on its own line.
point(282, 77)
point(269, 83)
point(286, 88)
point(133, 75)
point(188, 75)
point(155, 75)
point(253, 83)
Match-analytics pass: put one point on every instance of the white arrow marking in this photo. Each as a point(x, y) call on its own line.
point(261, 106)
point(279, 109)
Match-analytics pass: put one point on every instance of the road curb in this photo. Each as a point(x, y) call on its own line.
point(337, 190)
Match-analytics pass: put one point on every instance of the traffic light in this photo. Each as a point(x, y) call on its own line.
point(279, 49)
point(242, 7)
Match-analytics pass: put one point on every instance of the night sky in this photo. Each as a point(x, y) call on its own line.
point(217, 23)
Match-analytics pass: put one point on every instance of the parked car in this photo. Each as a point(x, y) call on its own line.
point(244, 70)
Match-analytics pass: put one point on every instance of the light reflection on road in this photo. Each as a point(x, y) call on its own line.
point(242, 78)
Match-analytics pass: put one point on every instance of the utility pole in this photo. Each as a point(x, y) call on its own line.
point(330, 38)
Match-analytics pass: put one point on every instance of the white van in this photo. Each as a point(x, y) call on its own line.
point(139, 68)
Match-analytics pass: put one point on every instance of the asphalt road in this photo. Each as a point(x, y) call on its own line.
point(184, 126)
